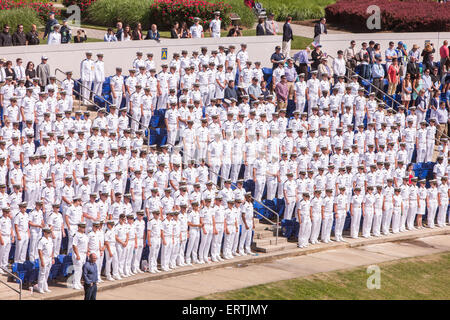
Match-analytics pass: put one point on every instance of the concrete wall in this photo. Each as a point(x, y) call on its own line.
point(333, 42)
point(121, 54)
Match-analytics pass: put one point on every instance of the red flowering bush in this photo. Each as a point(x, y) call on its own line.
point(42, 8)
point(166, 12)
point(396, 15)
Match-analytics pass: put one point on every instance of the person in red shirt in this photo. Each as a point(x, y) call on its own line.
point(393, 76)
point(444, 52)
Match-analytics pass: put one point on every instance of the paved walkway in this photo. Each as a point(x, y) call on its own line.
point(204, 283)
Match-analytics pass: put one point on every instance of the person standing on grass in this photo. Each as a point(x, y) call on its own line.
point(214, 25)
point(196, 30)
point(288, 36)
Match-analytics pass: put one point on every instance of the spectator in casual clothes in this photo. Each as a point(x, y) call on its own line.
point(260, 30)
point(54, 37)
point(235, 32)
point(363, 56)
point(184, 32)
point(444, 53)
point(277, 57)
point(43, 72)
point(19, 38)
point(153, 33)
point(325, 69)
point(110, 36)
point(80, 37)
point(254, 90)
point(320, 28)
point(9, 70)
point(271, 26)
point(288, 36)
point(378, 75)
point(339, 65)
point(230, 91)
point(30, 73)
point(49, 25)
point(5, 37)
point(426, 52)
point(414, 52)
point(19, 70)
point(66, 33)
point(126, 36)
point(90, 277)
point(282, 92)
point(119, 32)
point(33, 36)
point(412, 67)
point(137, 32)
point(291, 76)
point(174, 32)
point(430, 64)
point(316, 57)
point(442, 119)
point(393, 76)
point(302, 57)
point(350, 58)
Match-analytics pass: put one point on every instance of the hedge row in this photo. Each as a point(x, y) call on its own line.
point(396, 15)
point(41, 8)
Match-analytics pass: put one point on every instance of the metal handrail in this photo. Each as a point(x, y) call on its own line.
point(384, 93)
point(262, 204)
point(95, 104)
point(17, 278)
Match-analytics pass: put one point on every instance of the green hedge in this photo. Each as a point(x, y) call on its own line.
point(108, 12)
point(24, 16)
point(298, 10)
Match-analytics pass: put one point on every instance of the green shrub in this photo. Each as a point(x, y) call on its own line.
point(298, 10)
point(109, 12)
point(25, 16)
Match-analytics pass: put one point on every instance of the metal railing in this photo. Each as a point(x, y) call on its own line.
point(383, 92)
point(18, 291)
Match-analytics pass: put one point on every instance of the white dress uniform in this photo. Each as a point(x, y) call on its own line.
point(316, 220)
point(56, 223)
point(45, 245)
point(214, 25)
point(443, 204)
point(21, 220)
point(290, 189)
point(154, 226)
point(412, 211)
point(194, 237)
point(206, 214)
point(94, 245)
point(80, 241)
point(327, 221)
point(117, 83)
point(357, 201)
point(231, 221)
point(112, 262)
point(341, 202)
point(404, 191)
point(396, 213)
point(369, 210)
point(121, 231)
point(260, 175)
point(87, 72)
point(36, 217)
point(304, 211)
point(139, 228)
point(6, 233)
point(129, 248)
point(166, 249)
point(74, 214)
point(99, 77)
point(378, 214)
point(246, 234)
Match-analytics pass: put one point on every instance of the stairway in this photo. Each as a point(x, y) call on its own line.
point(264, 239)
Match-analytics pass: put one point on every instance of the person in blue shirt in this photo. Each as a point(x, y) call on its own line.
point(153, 33)
point(90, 277)
point(49, 25)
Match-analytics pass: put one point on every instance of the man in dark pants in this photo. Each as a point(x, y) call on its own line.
point(90, 276)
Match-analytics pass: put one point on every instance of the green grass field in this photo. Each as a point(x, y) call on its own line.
point(419, 278)
point(298, 10)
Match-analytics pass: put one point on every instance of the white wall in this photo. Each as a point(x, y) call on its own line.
point(331, 43)
point(121, 54)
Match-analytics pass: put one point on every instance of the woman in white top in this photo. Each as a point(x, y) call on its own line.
point(126, 34)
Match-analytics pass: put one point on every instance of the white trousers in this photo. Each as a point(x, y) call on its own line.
point(259, 187)
point(78, 268)
point(112, 263)
point(21, 248)
point(129, 252)
point(411, 214)
point(339, 227)
point(316, 223)
point(300, 105)
point(121, 256)
point(404, 215)
point(248, 172)
point(153, 255)
point(367, 223)
point(355, 223)
point(192, 247)
point(217, 242)
point(166, 252)
point(421, 152)
point(245, 240)
point(118, 100)
point(205, 243)
point(4, 251)
point(289, 208)
point(85, 93)
point(430, 150)
point(43, 275)
point(387, 218)
point(228, 244)
point(98, 86)
point(396, 217)
point(305, 230)
point(272, 185)
point(235, 168)
point(376, 225)
point(327, 224)
point(136, 262)
point(137, 204)
point(431, 213)
point(235, 245)
point(182, 248)
point(442, 212)
point(33, 252)
point(225, 173)
point(171, 135)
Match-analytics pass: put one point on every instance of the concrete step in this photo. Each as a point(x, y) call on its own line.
point(263, 234)
point(268, 241)
point(278, 247)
